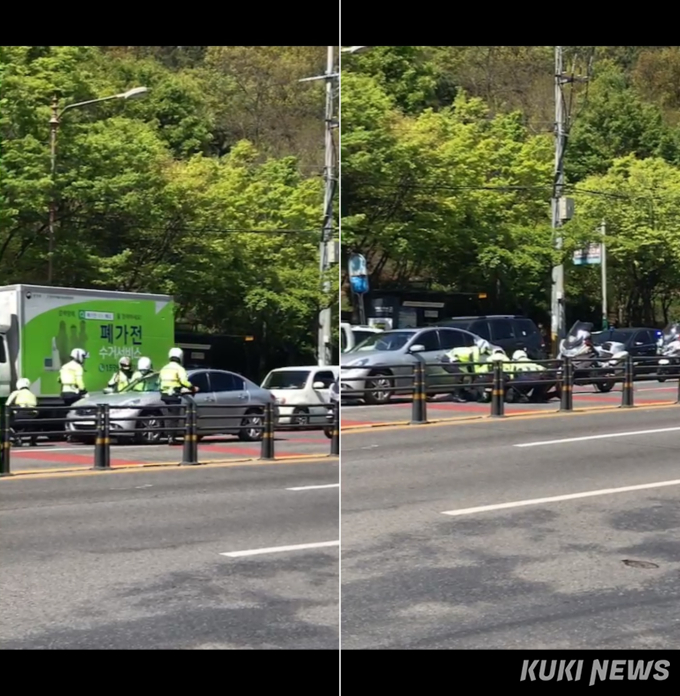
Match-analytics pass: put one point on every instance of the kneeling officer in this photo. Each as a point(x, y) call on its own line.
point(25, 401)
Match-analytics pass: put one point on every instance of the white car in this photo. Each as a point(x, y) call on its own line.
point(301, 393)
point(351, 335)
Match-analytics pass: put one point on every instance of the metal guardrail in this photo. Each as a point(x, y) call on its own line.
point(185, 415)
point(560, 374)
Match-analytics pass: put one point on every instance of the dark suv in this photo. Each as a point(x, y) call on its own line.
point(510, 332)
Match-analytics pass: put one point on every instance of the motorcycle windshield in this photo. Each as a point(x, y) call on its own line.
point(671, 333)
point(576, 338)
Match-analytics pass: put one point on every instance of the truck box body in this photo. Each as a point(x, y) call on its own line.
point(40, 326)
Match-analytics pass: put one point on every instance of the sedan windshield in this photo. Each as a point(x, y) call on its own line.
point(389, 340)
point(286, 380)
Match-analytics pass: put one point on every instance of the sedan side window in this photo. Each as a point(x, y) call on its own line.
point(453, 339)
point(200, 380)
point(429, 339)
point(225, 382)
point(481, 328)
point(326, 377)
point(644, 337)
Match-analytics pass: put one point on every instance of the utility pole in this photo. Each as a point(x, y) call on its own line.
point(562, 208)
point(325, 316)
point(54, 127)
point(557, 304)
point(603, 262)
point(327, 246)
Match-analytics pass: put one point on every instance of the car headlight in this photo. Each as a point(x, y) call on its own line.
point(664, 361)
point(357, 363)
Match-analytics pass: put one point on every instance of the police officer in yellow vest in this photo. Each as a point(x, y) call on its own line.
point(144, 368)
point(473, 361)
point(71, 377)
point(173, 383)
point(123, 377)
point(25, 401)
point(523, 366)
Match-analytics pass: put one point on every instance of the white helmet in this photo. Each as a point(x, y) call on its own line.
point(520, 355)
point(79, 355)
point(484, 346)
point(125, 362)
point(24, 383)
point(176, 354)
point(498, 354)
point(144, 365)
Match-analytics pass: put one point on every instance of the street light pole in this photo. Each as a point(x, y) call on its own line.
point(55, 120)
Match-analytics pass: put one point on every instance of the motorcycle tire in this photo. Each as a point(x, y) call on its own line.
point(328, 432)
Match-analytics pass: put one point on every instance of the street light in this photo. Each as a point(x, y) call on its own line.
point(134, 93)
point(331, 75)
point(356, 49)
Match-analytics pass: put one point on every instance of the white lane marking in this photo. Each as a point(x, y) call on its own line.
point(559, 498)
point(278, 549)
point(134, 488)
point(585, 438)
point(311, 488)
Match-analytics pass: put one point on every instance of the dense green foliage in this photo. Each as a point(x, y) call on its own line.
point(447, 172)
point(209, 189)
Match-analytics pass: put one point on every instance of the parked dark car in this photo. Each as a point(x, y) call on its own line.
point(510, 332)
point(640, 342)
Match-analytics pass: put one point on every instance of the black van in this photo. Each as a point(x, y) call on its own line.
point(510, 332)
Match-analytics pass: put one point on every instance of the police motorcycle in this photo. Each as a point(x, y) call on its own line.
point(668, 347)
point(330, 415)
point(598, 365)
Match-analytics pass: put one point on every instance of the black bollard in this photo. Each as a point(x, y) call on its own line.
point(267, 451)
point(102, 445)
point(628, 393)
point(419, 406)
point(190, 447)
point(567, 387)
point(498, 391)
point(5, 441)
point(335, 439)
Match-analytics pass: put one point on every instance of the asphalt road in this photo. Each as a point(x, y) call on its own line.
point(48, 456)
point(538, 575)
point(356, 414)
point(132, 559)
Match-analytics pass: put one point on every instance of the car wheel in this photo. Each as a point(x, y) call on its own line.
point(378, 380)
point(300, 418)
point(605, 387)
point(150, 428)
point(252, 427)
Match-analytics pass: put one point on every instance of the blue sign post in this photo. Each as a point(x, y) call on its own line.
point(358, 279)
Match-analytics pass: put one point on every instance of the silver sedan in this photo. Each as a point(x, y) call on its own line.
point(386, 360)
point(226, 402)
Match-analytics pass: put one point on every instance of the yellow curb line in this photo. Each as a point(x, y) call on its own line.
point(522, 415)
point(158, 466)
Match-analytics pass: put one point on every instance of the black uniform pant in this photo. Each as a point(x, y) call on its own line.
point(23, 414)
point(70, 398)
point(175, 402)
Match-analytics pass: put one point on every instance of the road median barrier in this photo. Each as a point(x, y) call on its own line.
point(500, 382)
point(186, 420)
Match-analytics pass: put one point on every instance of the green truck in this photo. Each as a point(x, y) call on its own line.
point(40, 326)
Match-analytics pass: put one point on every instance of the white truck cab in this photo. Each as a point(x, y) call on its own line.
point(350, 335)
point(5, 365)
